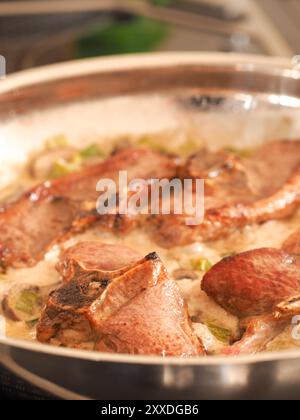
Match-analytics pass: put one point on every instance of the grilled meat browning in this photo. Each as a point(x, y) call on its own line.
point(238, 192)
point(139, 311)
point(53, 210)
point(253, 283)
point(86, 268)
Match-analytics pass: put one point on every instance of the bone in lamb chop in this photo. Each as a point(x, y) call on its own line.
point(120, 303)
point(262, 288)
point(52, 211)
point(239, 191)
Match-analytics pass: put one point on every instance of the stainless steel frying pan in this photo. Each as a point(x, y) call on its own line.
point(136, 94)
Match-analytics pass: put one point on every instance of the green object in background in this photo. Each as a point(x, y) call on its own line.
point(162, 2)
point(136, 35)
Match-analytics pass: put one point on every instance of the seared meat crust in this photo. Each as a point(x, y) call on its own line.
point(52, 211)
point(135, 309)
point(238, 192)
point(254, 282)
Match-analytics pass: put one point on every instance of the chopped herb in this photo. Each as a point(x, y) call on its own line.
point(222, 334)
point(93, 150)
point(188, 147)
point(56, 142)
point(154, 144)
point(158, 144)
point(28, 301)
point(62, 167)
point(202, 264)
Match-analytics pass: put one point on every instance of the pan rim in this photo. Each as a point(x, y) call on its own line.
point(92, 66)
point(99, 357)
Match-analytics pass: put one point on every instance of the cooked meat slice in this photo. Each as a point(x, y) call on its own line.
point(259, 332)
point(53, 210)
point(63, 320)
point(153, 323)
point(288, 308)
point(262, 288)
point(108, 261)
point(140, 312)
point(225, 177)
point(148, 272)
point(238, 192)
point(261, 172)
point(292, 244)
point(143, 312)
point(64, 317)
point(272, 165)
point(253, 283)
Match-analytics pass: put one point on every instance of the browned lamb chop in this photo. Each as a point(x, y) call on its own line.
point(50, 212)
point(239, 191)
point(262, 288)
point(109, 307)
point(86, 269)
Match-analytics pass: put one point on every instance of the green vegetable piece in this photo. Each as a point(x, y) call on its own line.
point(202, 264)
point(152, 143)
point(28, 302)
point(93, 150)
point(222, 334)
point(62, 167)
point(56, 142)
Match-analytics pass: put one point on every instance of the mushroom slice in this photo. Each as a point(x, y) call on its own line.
point(25, 302)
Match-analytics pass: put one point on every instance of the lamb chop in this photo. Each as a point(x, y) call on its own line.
point(262, 288)
point(52, 211)
point(239, 191)
point(143, 312)
point(86, 270)
point(110, 307)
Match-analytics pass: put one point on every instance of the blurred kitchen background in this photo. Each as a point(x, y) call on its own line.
point(38, 32)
